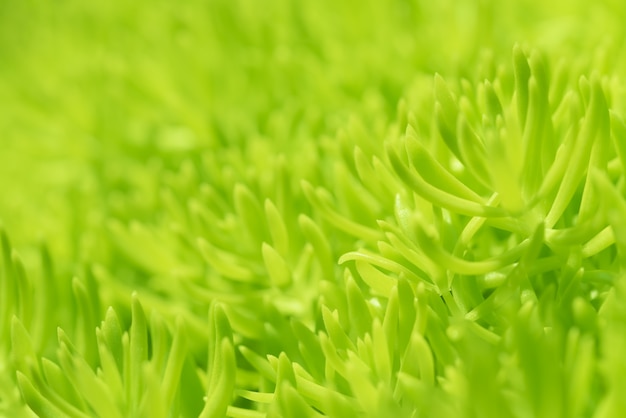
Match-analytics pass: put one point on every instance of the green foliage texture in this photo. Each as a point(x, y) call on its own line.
point(324, 208)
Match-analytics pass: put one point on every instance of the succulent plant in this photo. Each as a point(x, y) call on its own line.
point(387, 209)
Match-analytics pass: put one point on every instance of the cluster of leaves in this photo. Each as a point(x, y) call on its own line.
point(460, 253)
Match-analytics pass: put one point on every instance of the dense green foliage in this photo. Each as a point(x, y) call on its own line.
point(282, 208)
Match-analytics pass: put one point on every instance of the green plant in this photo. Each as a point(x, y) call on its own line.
point(287, 210)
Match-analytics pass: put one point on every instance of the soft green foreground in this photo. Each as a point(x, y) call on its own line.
point(285, 208)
